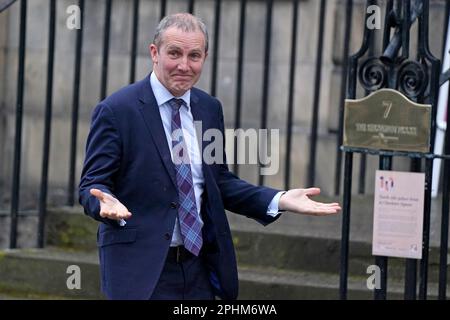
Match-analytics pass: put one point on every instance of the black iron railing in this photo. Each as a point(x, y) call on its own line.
point(418, 79)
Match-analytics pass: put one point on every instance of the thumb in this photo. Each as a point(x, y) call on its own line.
point(312, 191)
point(97, 193)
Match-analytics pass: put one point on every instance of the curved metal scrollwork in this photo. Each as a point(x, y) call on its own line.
point(372, 74)
point(412, 79)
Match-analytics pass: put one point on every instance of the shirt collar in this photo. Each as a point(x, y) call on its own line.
point(163, 95)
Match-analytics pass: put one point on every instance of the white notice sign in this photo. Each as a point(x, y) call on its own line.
point(398, 214)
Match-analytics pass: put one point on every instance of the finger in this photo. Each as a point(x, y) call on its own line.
point(318, 204)
point(115, 215)
point(109, 214)
point(97, 193)
point(332, 204)
point(330, 208)
point(124, 215)
point(325, 212)
point(323, 208)
point(104, 214)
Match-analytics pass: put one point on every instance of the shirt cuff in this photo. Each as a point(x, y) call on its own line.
point(272, 209)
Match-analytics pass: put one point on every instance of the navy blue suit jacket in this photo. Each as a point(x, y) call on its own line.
point(127, 156)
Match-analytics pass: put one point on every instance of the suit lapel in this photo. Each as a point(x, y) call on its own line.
point(152, 117)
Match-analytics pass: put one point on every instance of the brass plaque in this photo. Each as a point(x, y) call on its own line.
point(387, 120)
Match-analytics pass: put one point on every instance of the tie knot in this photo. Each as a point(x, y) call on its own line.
point(176, 103)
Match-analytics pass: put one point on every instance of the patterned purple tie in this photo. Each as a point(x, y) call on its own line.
point(190, 225)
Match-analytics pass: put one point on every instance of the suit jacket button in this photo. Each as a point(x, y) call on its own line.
point(174, 205)
point(167, 236)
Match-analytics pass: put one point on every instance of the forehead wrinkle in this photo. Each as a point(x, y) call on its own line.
point(173, 46)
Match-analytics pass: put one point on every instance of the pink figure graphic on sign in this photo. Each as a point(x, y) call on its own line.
point(386, 184)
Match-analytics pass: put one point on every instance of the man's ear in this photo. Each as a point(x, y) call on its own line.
point(153, 53)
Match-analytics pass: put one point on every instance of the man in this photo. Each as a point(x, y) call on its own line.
point(164, 232)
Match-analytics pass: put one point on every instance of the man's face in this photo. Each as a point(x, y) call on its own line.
point(178, 62)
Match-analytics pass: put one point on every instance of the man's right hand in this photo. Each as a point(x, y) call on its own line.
point(110, 207)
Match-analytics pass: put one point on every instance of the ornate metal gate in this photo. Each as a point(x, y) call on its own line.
point(415, 74)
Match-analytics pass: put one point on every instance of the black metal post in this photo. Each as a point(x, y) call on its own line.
point(215, 58)
point(191, 6)
point(18, 134)
point(363, 156)
point(410, 292)
point(345, 54)
point(239, 76)
point(315, 111)
point(105, 57)
point(410, 279)
point(405, 29)
point(75, 108)
point(47, 126)
point(266, 77)
point(345, 231)
point(290, 117)
point(387, 24)
point(423, 284)
point(134, 36)
point(382, 262)
point(163, 8)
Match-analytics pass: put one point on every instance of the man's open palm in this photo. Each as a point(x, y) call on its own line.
point(110, 207)
point(298, 201)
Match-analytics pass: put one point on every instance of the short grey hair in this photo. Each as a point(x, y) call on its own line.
point(183, 21)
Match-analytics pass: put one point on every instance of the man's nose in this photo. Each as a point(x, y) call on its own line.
point(183, 64)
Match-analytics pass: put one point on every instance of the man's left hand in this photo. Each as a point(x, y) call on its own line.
point(298, 201)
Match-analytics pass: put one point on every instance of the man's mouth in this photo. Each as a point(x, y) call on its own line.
point(182, 77)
